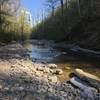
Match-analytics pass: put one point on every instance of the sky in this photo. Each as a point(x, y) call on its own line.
point(35, 7)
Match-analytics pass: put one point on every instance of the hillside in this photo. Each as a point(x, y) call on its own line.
point(81, 27)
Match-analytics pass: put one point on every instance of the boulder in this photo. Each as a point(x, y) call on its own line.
point(91, 79)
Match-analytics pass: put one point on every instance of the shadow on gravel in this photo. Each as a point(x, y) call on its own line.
point(17, 87)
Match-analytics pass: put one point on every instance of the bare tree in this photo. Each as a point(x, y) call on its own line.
point(14, 4)
point(79, 9)
point(62, 6)
point(51, 4)
point(92, 4)
point(66, 3)
point(8, 8)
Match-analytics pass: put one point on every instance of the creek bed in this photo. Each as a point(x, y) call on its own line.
point(44, 51)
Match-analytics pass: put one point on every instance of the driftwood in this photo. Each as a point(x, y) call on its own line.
point(87, 91)
point(79, 83)
point(91, 79)
point(88, 52)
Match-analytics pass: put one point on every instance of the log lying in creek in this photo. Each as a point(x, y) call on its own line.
point(77, 48)
point(91, 79)
point(87, 91)
point(79, 83)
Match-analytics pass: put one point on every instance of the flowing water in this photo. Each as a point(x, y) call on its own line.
point(44, 51)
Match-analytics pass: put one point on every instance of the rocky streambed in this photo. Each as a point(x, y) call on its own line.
point(21, 78)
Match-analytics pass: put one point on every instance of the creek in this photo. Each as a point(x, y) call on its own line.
point(44, 51)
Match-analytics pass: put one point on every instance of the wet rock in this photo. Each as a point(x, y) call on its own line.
point(52, 79)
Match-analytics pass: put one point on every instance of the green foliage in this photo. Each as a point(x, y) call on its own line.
point(10, 27)
point(8, 37)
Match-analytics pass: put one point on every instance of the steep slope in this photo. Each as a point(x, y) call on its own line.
point(81, 27)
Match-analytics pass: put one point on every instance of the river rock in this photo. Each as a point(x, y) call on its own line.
point(15, 98)
point(46, 70)
point(80, 83)
point(89, 94)
point(67, 68)
point(21, 88)
point(39, 68)
point(91, 79)
point(58, 71)
point(52, 79)
point(52, 66)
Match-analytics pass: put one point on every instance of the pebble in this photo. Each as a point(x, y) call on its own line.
point(46, 70)
point(52, 66)
point(52, 79)
point(6, 88)
point(21, 88)
point(67, 68)
point(58, 71)
point(15, 98)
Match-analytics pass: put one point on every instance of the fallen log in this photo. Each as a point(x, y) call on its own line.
point(78, 48)
point(87, 91)
point(91, 79)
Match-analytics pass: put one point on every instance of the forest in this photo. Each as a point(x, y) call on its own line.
point(13, 25)
point(67, 20)
point(49, 50)
point(71, 21)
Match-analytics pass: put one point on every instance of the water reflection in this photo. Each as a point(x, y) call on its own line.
point(42, 51)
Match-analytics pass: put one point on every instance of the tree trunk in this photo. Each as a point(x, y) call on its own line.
point(62, 6)
point(66, 4)
point(92, 6)
point(79, 10)
point(53, 11)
